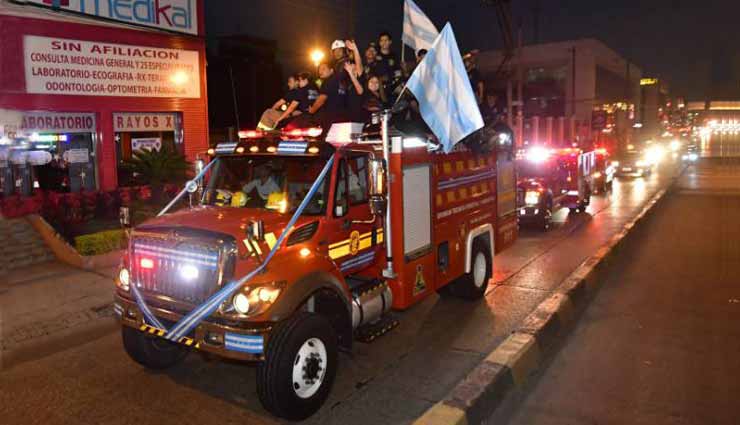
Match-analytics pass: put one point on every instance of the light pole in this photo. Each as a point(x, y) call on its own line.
point(317, 55)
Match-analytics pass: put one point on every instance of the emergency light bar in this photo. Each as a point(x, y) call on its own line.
point(250, 134)
point(223, 148)
point(303, 132)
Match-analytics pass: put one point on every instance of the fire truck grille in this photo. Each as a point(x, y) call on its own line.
point(186, 272)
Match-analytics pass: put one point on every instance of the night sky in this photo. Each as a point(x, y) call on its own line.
point(692, 44)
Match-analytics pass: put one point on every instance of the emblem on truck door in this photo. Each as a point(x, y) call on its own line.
point(420, 285)
point(354, 242)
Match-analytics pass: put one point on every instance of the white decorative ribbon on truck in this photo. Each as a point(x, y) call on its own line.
point(77, 67)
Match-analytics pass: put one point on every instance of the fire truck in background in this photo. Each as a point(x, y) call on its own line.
point(294, 247)
point(550, 179)
point(603, 172)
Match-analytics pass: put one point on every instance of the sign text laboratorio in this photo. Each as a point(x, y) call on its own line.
point(88, 68)
point(170, 15)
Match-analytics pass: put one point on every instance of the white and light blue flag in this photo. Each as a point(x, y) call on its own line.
point(442, 88)
point(418, 31)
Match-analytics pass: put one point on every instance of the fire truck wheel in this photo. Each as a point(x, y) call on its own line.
point(299, 367)
point(473, 285)
point(151, 352)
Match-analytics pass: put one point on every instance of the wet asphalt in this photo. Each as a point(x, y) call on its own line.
point(659, 343)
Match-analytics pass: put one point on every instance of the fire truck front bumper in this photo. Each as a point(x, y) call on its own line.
point(233, 342)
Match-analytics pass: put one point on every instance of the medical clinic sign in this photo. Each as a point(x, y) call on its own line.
point(170, 15)
point(75, 67)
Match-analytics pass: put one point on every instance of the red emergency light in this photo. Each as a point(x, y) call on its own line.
point(250, 134)
point(303, 132)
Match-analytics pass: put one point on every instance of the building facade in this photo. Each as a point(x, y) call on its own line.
point(569, 78)
point(91, 86)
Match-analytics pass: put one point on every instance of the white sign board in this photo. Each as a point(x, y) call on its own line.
point(149, 143)
point(127, 122)
point(170, 15)
point(88, 68)
point(76, 156)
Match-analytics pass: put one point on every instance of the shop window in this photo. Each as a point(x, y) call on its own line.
point(49, 151)
point(144, 131)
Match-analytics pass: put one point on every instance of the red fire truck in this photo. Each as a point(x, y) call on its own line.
point(550, 179)
point(293, 248)
point(603, 172)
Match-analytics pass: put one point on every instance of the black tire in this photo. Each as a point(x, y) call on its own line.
point(546, 221)
point(152, 352)
point(466, 286)
point(275, 385)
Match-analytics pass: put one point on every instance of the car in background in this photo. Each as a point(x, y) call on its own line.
point(691, 155)
point(634, 164)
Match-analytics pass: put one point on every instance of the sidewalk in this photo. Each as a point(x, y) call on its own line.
point(52, 306)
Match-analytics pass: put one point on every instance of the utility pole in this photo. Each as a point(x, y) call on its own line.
point(573, 81)
point(536, 13)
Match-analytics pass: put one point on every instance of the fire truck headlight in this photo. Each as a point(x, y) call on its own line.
point(597, 175)
point(241, 303)
point(124, 279)
point(189, 272)
point(255, 300)
point(532, 197)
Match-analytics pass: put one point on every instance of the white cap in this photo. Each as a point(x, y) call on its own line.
point(338, 44)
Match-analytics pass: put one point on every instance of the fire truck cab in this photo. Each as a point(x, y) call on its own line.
point(551, 179)
point(294, 247)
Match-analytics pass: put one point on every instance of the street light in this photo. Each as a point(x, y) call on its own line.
point(316, 57)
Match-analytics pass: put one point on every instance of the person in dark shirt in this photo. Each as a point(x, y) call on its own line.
point(300, 99)
point(373, 99)
point(331, 105)
point(476, 81)
point(371, 61)
point(389, 67)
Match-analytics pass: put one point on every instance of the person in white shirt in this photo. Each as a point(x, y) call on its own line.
point(263, 183)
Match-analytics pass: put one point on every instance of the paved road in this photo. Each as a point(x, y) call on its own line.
point(391, 381)
point(659, 343)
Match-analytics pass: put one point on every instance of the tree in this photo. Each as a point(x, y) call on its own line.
point(157, 168)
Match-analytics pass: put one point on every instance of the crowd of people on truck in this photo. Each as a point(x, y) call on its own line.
point(352, 86)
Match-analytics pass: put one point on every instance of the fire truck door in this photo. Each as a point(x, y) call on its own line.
point(352, 243)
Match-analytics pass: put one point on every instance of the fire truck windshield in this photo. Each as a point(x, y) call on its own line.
point(275, 183)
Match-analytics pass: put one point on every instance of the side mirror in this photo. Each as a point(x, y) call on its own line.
point(377, 188)
point(377, 178)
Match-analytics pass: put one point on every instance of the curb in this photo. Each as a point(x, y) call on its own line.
point(507, 368)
